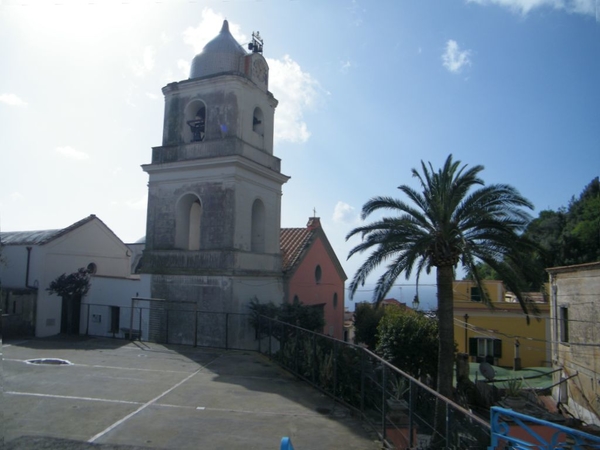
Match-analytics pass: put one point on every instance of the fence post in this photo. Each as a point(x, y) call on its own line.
point(383, 402)
point(447, 424)
point(87, 326)
point(131, 320)
point(362, 381)
point(167, 327)
point(270, 336)
point(314, 358)
point(140, 323)
point(411, 405)
point(226, 331)
point(196, 325)
point(335, 364)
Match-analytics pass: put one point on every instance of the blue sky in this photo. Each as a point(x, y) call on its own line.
point(366, 89)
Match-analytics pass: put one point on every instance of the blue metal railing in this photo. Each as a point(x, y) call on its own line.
point(556, 437)
point(286, 444)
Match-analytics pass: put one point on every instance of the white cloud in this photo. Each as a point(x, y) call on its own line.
point(72, 153)
point(141, 68)
point(16, 196)
point(185, 67)
point(454, 59)
point(344, 213)
point(12, 100)
point(208, 28)
point(138, 204)
point(152, 96)
point(588, 7)
point(296, 91)
point(346, 65)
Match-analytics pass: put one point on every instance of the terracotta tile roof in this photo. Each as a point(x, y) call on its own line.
point(293, 243)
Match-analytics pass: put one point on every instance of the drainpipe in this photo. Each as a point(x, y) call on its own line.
point(27, 269)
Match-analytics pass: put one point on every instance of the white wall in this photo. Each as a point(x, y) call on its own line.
point(116, 292)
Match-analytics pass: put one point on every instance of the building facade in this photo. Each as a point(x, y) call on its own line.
point(313, 275)
point(33, 259)
point(500, 334)
point(214, 192)
point(575, 319)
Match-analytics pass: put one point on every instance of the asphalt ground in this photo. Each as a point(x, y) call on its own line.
point(118, 395)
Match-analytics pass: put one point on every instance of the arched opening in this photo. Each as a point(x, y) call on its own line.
point(318, 274)
point(194, 235)
point(188, 217)
point(258, 227)
point(195, 119)
point(258, 121)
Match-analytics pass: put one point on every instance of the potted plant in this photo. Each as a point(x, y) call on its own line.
point(396, 401)
point(513, 398)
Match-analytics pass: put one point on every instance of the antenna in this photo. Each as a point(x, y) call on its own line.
point(256, 46)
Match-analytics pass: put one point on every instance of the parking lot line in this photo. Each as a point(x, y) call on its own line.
point(144, 406)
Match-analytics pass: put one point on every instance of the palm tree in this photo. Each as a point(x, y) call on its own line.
point(454, 219)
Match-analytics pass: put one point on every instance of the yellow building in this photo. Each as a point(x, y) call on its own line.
point(493, 334)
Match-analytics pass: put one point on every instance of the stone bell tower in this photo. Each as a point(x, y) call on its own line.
point(214, 198)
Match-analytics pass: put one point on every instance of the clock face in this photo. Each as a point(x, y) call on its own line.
point(260, 70)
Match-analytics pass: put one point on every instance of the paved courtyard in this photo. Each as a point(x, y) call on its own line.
point(118, 394)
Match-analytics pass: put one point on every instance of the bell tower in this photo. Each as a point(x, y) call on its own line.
point(214, 191)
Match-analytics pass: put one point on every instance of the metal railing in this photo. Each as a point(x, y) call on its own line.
point(169, 323)
point(405, 412)
point(517, 431)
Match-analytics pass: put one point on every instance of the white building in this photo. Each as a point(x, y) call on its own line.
point(33, 259)
point(575, 319)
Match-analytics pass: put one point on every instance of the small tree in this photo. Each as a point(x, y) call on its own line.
point(72, 288)
point(303, 316)
point(409, 340)
point(366, 320)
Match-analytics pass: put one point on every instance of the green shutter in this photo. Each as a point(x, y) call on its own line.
point(497, 348)
point(472, 346)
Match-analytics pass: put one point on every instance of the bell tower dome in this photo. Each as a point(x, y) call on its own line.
point(214, 192)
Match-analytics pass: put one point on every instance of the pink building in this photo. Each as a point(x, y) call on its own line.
point(313, 274)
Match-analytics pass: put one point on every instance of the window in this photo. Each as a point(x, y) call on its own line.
point(197, 125)
point(115, 316)
point(258, 227)
point(564, 324)
point(475, 294)
point(318, 274)
point(257, 121)
point(188, 217)
point(335, 300)
point(296, 300)
point(485, 349)
point(195, 122)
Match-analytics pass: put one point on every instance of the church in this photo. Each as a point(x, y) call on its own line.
point(215, 186)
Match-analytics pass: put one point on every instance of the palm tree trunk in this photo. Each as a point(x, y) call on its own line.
point(445, 277)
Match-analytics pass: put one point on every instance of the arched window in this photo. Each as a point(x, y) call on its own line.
point(195, 119)
point(335, 300)
point(296, 300)
point(258, 227)
point(258, 121)
point(318, 274)
point(187, 222)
